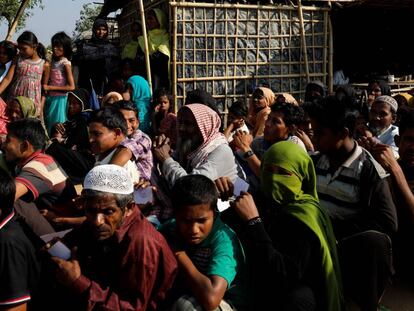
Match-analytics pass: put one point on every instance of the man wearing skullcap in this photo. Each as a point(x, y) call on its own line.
point(382, 116)
point(121, 262)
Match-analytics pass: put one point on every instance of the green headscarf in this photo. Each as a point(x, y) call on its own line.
point(27, 106)
point(296, 194)
point(158, 39)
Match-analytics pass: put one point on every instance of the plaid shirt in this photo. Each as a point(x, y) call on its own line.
point(140, 146)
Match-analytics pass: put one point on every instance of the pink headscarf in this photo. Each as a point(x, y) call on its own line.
point(208, 122)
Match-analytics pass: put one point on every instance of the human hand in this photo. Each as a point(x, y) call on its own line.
point(305, 139)
point(262, 115)
point(245, 207)
point(161, 148)
point(60, 129)
point(68, 271)
point(49, 215)
point(384, 155)
point(242, 140)
point(238, 123)
point(46, 87)
point(69, 221)
point(225, 188)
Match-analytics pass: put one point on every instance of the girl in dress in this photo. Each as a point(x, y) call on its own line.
point(26, 71)
point(59, 79)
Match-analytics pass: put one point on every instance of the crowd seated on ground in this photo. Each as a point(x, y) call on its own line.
point(126, 204)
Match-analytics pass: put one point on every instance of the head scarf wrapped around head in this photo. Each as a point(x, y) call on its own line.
point(296, 196)
point(158, 39)
point(141, 96)
point(208, 123)
point(83, 97)
point(99, 23)
point(289, 99)
point(269, 97)
point(27, 106)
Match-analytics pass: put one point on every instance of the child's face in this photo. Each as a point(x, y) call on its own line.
point(58, 51)
point(3, 56)
point(380, 116)
point(74, 106)
point(275, 128)
point(26, 51)
point(194, 222)
point(102, 139)
point(132, 120)
point(163, 103)
point(14, 110)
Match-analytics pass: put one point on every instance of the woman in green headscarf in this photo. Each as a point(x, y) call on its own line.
point(294, 247)
point(159, 49)
point(21, 107)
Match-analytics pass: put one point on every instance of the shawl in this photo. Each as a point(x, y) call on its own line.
point(296, 195)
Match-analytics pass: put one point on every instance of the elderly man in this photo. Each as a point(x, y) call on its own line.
point(121, 261)
point(201, 148)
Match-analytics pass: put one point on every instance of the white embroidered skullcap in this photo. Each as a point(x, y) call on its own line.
point(109, 178)
point(389, 100)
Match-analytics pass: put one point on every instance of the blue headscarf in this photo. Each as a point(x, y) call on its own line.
point(141, 96)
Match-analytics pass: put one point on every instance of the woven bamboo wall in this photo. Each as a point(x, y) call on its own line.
point(229, 49)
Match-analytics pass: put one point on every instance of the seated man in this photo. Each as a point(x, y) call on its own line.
point(201, 148)
point(122, 262)
point(39, 179)
point(107, 130)
point(354, 190)
point(19, 267)
point(210, 258)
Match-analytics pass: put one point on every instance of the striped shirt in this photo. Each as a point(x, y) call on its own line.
point(356, 193)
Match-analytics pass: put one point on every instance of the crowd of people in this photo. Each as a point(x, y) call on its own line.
point(112, 201)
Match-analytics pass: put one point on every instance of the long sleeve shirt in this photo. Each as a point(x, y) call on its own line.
point(132, 271)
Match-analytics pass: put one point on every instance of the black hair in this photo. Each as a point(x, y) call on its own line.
point(126, 105)
point(292, 114)
point(63, 40)
point(29, 129)
point(199, 96)
point(162, 92)
point(10, 48)
point(407, 120)
point(238, 109)
point(335, 114)
point(385, 88)
point(192, 190)
point(30, 39)
point(316, 85)
point(111, 118)
point(7, 193)
point(131, 63)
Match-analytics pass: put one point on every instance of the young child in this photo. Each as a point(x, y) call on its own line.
point(210, 258)
point(236, 120)
point(138, 145)
point(70, 145)
point(25, 73)
point(59, 80)
point(164, 120)
point(107, 130)
point(7, 53)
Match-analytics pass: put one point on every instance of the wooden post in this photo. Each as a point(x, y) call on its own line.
point(331, 52)
point(144, 34)
point(19, 14)
point(302, 36)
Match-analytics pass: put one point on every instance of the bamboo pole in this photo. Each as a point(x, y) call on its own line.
point(277, 76)
point(326, 46)
point(146, 52)
point(242, 6)
point(331, 51)
point(303, 38)
point(16, 19)
point(174, 55)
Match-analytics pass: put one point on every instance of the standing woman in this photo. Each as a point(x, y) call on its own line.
point(96, 59)
point(26, 72)
point(159, 49)
point(259, 109)
point(59, 81)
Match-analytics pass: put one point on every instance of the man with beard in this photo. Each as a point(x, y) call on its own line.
point(119, 261)
point(201, 148)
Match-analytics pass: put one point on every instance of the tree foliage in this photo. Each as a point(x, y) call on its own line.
point(88, 14)
point(8, 10)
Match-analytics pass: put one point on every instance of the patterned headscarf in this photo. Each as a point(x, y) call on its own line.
point(208, 122)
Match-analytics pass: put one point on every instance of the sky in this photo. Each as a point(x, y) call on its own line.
point(57, 15)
